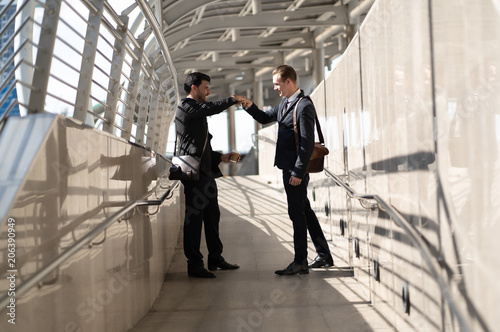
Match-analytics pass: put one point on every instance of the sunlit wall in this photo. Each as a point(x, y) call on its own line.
point(411, 113)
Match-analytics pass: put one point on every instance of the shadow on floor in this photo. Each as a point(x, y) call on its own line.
point(257, 235)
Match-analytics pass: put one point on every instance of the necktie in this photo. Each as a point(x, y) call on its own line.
point(287, 104)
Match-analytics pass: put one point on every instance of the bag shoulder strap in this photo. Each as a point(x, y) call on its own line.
point(204, 145)
point(318, 126)
point(177, 148)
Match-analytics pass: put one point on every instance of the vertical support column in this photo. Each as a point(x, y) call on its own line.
point(143, 108)
point(160, 119)
point(350, 32)
point(258, 95)
point(231, 135)
point(231, 131)
point(342, 42)
point(88, 60)
point(166, 120)
point(318, 64)
point(258, 92)
point(354, 23)
point(44, 56)
point(281, 57)
point(153, 117)
point(256, 7)
point(131, 98)
point(258, 99)
point(116, 72)
point(170, 109)
point(163, 125)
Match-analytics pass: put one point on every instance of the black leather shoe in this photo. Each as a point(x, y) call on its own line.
point(223, 266)
point(293, 269)
point(321, 262)
point(201, 273)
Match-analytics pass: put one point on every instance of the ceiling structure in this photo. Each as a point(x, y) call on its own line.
point(239, 42)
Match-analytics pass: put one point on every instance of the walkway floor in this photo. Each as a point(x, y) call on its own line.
point(257, 235)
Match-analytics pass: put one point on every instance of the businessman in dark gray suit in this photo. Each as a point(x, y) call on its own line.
point(294, 165)
point(202, 206)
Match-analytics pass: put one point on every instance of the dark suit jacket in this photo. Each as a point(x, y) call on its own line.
point(286, 157)
point(192, 127)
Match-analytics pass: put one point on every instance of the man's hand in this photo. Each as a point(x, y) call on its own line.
point(294, 181)
point(227, 157)
point(243, 101)
point(239, 99)
point(246, 103)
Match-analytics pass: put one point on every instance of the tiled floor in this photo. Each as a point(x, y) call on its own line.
point(256, 233)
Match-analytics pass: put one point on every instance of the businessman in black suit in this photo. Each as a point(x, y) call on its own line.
point(293, 165)
point(202, 206)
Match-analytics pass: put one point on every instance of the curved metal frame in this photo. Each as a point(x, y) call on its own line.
point(145, 89)
point(153, 22)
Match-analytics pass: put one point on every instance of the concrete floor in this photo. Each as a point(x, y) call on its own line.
point(257, 235)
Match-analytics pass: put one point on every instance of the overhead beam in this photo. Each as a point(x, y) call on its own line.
point(179, 9)
point(271, 19)
point(226, 63)
point(243, 44)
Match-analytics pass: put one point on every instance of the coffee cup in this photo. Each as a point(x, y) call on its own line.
point(235, 156)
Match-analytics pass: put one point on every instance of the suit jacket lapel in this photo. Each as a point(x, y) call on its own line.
point(282, 112)
point(290, 108)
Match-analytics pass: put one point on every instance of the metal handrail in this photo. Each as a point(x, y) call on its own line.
point(417, 240)
point(263, 138)
point(36, 278)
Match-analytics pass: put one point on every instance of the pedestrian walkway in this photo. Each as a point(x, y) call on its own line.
point(257, 235)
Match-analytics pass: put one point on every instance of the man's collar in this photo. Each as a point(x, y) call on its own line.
point(294, 96)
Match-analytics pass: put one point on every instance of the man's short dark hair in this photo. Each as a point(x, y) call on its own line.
point(195, 79)
point(285, 72)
